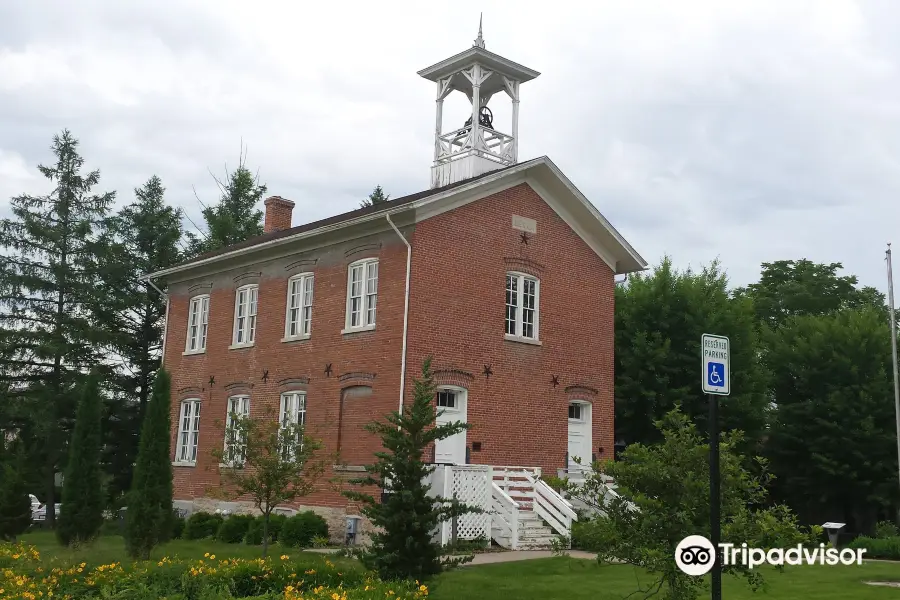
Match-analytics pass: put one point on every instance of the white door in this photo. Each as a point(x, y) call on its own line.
point(579, 435)
point(451, 407)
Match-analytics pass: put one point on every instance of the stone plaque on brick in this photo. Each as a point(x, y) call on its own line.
point(524, 224)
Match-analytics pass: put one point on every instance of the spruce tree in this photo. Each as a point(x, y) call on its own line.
point(149, 513)
point(375, 198)
point(142, 238)
point(48, 251)
point(235, 218)
point(404, 548)
point(81, 514)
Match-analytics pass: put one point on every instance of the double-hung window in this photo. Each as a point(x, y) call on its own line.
point(198, 318)
point(245, 301)
point(238, 408)
point(297, 324)
point(293, 413)
point(522, 292)
point(188, 432)
point(362, 294)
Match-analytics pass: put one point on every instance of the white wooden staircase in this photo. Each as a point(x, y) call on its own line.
point(527, 514)
point(522, 512)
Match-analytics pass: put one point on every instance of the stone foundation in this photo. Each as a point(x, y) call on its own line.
point(335, 517)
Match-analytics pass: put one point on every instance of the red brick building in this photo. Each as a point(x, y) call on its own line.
point(503, 272)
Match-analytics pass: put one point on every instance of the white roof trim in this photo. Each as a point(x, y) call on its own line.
point(512, 176)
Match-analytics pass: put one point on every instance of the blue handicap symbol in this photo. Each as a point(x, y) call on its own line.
point(715, 374)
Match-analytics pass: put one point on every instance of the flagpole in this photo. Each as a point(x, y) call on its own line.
point(890, 275)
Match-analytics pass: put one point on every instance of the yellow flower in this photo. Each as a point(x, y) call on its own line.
point(284, 557)
point(206, 555)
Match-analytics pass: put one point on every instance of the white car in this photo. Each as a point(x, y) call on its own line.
point(39, 510)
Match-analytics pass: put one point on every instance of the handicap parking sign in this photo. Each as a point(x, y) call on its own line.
point(715, 374)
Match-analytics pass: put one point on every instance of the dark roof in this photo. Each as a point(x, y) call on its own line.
point(337, 219)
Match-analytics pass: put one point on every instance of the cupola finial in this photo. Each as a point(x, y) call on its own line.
point(479, 41)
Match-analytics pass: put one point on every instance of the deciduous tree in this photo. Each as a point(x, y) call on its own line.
point(789, 288)
point(269, 461)
point(662, 496)
point(660, 319)
point(833, 441)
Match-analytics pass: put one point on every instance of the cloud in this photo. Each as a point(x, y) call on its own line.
point(752, 131)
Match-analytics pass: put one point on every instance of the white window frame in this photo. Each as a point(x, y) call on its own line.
point(188, 441)
point(197, 331)
point(239, 405)
point(518, 335)
point(250, 307)
point(297, 414)
point(368, 296)
point(456, 399)
point(304, 307)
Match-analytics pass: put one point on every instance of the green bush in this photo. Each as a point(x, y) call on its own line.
point(888, 548)
point(201, 525)
point(586, 535)
point(886, 529)
point(299, 530)
point(253, 537)
point(255, 530)
point(559, 484)
point(276, 522)
point(177, 525)
point(234, 528)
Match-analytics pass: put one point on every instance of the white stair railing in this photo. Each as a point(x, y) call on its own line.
point(553, 508)
point(505, 515)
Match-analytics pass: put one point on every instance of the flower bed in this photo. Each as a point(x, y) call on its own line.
point(23, 575)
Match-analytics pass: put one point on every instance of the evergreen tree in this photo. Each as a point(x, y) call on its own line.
point(15, 505)
point(48, 253)
point(81, 514)
point(149, 511)
point(375, 198)
point(142, 238)
point(404, 547)
point(235, 218)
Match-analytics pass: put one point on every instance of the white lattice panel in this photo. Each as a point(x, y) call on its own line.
point(472, 485)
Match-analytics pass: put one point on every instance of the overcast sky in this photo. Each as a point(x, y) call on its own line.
point(752, 131)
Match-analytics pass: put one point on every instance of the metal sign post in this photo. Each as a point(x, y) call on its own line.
point(715, 381)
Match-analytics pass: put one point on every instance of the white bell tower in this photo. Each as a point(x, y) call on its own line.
point(477, 147)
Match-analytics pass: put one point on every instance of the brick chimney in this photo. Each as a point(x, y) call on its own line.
point(278, 214)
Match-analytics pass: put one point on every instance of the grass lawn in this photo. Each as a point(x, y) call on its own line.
point(561, 577)
point(572, 578)
point(111, 548)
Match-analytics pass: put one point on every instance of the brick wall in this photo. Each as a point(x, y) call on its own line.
point(369, 358)
point(456, 315)
point(457, 312)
